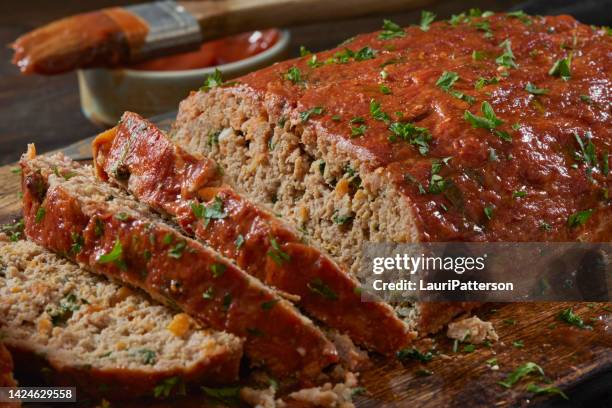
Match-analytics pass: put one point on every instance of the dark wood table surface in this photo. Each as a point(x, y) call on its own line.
point(46, 110)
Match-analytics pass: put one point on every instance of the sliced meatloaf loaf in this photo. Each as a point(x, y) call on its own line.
point(487, 127)
point(139, 157)
point(70, 212)
point(100, 336)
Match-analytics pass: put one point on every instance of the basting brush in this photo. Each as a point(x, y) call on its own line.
point(122, 35)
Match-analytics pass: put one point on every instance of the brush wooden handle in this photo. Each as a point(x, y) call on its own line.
point(223, 17)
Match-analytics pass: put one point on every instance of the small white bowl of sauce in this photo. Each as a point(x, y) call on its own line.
point(157, 86)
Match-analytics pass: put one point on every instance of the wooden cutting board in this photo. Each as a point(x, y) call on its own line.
point(529, 332)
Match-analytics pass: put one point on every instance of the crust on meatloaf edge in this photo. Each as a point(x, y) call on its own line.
point(289, 137)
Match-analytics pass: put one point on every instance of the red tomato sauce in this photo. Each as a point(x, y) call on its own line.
point(217, 52)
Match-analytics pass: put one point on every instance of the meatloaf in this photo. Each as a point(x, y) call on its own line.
point(486, 127)
point(104, 337)
point(139, 157)
point(6, 375)
point(69, 212)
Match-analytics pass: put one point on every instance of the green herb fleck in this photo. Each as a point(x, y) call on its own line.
point(77, 243)
point(507, 58)
point(294, 75)
point(518, 344)
point(519, 194)
point(562, 69)
point(489, 121)
point(377, 112)
point(305, 116)
point(408, 132)
point(569, 317)
point(114, 256)
point(40, 214)
point(148, 356)
point(121, 216)
point(357, 131)
point(227, 395)
point(521, 372)
point(165, 388)
point(414, 354)
point(176, 251)
point(320, 288)
point(227, 301)
point(239, 242)
point(217, 270)
point(579, 218)
point(478, 55)
point(469, 348)
point(391, 30)
point(545, 390)
point(385, 90)
point(269, 304)
point(532, 89)
point(212, 81)
point(427, 17)
point(276, 253)
point(208, 294)
point(488, 211)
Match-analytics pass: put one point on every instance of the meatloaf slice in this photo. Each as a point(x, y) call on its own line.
point(70, 212)
point(6, 375)
point(104, 338)
point(482, 128)
point(139, 157)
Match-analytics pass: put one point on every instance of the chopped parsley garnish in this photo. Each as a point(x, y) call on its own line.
point(213, 138)
point(587, 152)
point(469, 348)
point(408, 132)
point(114, 256)
point(16, 170)
point(365, 53)
point(40, 214)
point(304, 51)
point(518, 344)
point(148, 356)
point(336, 118)
point(411, 179)
point(520, 14)
point(414, 354)
point(212, 81)
point(491, 362)
point(165, 388)
point(561, 69)
point(519, 194)
point(488, 211)
point(294, 75)
point(176, 251)
point(167, 239)
point(482, 82)
point(437, 184)
point(376, 111)
point(521, 372)
point(305, 116)
point(391, 30)
point(489, 121)
point(211, 212)
point(14, 231)
point(66, 307)
point(77, 243)
point(569, 317)
point(217, 270)
point(507, 58)
point(342, 219)
point(239, 242)
point(586, 99)
point(227, 395)
point(447, 80)
point(269, 304)
point(478, 55)
point(427, 17)
point(534, 90)
point(536, 389)
point(579, 218)
point(384, 89)
point(320, 288)
point(357, 131)
point(277, 254)
point(121, 216)
point(485, 27)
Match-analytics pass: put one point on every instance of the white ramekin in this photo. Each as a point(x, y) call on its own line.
point(107, 93)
